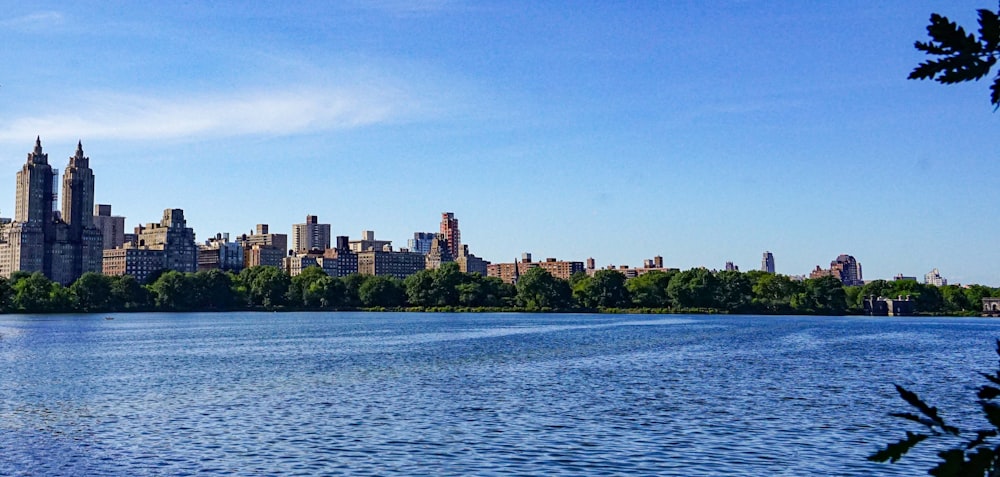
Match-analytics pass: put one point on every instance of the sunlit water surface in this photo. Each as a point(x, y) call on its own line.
point(474, 394)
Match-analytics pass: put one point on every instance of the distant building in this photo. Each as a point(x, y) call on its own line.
point(508, 272)
point(879, 306)
point(449, 228)
point(263, 248)
point(991, 306)
point(112, 227)
point(767, 263)
point(368, 242)
point(469, 263)
point(648, 265)
point(310, 235)
point(167, 245)
point(421, 242)
point(901, 277)
point(934, 277)
point(64, 244)
point(591, 264)
point(218, 253)
point(731, 268)
point(844, 268)
point(389, 263)
point(439, 253)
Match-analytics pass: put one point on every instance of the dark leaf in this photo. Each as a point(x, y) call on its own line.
point(951, 464)
point(992, 412)
point(981, 437)
point(989, 29)
point(995, 92)
point(926, 70)
point(993, 378)
point(914, 400)
point(988, 392)
point(895, 451)
point(979, 462)
point(915, 418)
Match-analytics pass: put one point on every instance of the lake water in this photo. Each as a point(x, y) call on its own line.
point(474, 394)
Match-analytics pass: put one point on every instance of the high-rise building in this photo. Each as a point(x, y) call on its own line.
point(421, 242)
point(846, 269)
point(767, 263)
point(311, 235)
point(112, 227)
point(731, 268)
point(934, 277)
point(439, 253)
point(449, 228)
point(389, 263)
point(64, 244)
point(218, 253)
point(263, 248)
point(469, 263)
point(369, 243)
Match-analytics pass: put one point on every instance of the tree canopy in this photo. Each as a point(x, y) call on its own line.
point(960, 56)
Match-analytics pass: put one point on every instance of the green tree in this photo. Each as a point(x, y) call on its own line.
point(264, 286)
point(605, 289)
point(649, 290)
point(538, 289)
point(352, 283)
point(733, 291)
point(34, 293)
point(127, 294)
point(92, 292)
point(773, 293)
point(694, 288)
point(961, 56)
point(325, 292)
point(213, 290)
point(6, 296)
point(823, 295)
point(173, 291)
point(303, 284)
point(956, 300)
point(382, 291)
point(420, 288)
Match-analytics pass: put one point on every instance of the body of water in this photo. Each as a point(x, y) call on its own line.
point(474, 394)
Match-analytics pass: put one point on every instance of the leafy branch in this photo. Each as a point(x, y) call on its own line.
point(975, 456)
point(961, 56)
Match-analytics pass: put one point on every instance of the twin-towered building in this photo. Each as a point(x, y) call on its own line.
point(62, 244)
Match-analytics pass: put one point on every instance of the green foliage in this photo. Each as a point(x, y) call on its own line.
point(382, 291)
point(823, 295)
point(537, 289)
point(173, 291)
point(606, 289)
point(93, 292)
point(978, 455)
point(693, 288)
point(773, 293)
point(733, 291)
point(961, 56)
point(265, 286)
point(649, 290)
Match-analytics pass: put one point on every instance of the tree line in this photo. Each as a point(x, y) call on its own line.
point(448, 289)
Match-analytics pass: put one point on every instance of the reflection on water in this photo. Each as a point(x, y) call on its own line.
point(452, 394)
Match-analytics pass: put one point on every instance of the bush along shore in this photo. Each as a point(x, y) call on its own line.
point(447, 289)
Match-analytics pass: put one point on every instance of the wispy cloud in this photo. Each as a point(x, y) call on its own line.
point(34, 21)
point(296, 111)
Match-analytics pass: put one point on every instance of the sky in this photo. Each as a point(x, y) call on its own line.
point(703, 131)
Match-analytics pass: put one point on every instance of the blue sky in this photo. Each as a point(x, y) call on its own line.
point(702, 131)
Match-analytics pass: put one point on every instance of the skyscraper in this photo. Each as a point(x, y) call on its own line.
point(449, 228)
point(311, 235)
point(767, 263)
point(63, 245)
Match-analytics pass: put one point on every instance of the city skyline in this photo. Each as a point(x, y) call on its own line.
point(699, 131)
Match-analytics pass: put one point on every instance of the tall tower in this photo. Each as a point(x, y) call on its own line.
point(33, 203)
point(449, 228)
point(78, 193)
point(63, 248)
point(767, 263)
